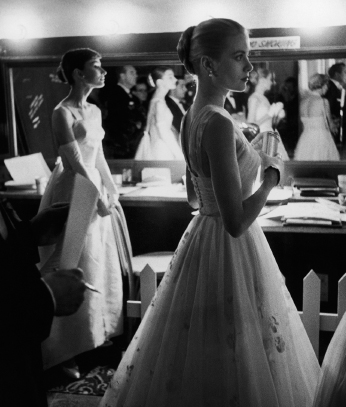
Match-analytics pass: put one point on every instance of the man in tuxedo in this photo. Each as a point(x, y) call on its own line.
point(337, 83)
point(124, 124)
point(140, 96)
point(29, 302)
point(235, 105)
point(176, 102)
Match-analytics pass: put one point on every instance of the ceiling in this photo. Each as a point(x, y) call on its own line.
point(64, 18)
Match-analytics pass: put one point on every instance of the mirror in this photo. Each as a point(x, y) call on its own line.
point(289, 86)
point(37, 90)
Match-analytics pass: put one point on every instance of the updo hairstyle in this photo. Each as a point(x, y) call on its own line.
point(74, 59)
point(317, 81)
point(208, 38)
point(158, 73)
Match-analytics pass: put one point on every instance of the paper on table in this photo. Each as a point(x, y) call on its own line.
point(82, 209)
point(25, 169)
point(311, 210)
point(159, 175)
point(275, 212)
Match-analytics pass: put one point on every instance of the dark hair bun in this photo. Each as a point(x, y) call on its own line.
point(183, 49)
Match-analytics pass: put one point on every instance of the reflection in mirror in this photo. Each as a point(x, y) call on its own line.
point(125, 108)
point(310, 123)
point(322, 86)
point(142, 110)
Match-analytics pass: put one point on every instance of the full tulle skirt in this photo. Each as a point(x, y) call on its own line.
point(332, 385)
point(222, 330)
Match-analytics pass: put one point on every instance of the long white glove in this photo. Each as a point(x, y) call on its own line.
point(102, 166)
point(73, 155)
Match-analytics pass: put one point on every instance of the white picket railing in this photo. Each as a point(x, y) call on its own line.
point(313, 320)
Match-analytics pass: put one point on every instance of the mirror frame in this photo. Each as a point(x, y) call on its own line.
point(110, 57)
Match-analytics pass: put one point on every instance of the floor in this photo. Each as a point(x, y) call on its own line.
point(72, 400)
point(109, 356)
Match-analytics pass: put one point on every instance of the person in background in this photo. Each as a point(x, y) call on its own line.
point(122, 127)
point(29, 302)
point(331, 391)
point(140, 97)
point(316, 142)
point(191, 89)
point(78, 134)
point(288, 127)
point(261, 112)
point(176, 103)
point(337, 82)
point(140, 93)
point(222, 329)
point(159, 141)
point(235, 104)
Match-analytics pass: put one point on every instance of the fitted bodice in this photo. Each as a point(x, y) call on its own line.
point(88, 133)
point(248, 159)
point(159, 115)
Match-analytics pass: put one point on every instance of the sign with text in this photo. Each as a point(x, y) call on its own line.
point(275, 43)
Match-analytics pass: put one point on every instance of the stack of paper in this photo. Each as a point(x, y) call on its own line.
point(316, 186)
point(311, 213)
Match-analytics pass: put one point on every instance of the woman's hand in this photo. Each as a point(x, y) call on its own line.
point(257, 142)
point(113, 200)
point(102, 208)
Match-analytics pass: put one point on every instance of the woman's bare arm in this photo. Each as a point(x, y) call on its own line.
point(219, 143)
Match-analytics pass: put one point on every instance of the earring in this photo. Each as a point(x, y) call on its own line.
point(210, 74)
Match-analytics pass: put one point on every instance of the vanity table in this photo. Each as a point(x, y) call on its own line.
point(156, 222)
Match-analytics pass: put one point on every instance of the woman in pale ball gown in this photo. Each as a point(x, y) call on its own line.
point(316, 142)
point(222, 329)
point(332, 384)
point(260, 111)
point(159, 141)
point(78, 134)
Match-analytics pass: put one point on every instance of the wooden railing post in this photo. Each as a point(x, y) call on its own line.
point(311, 308)
point(341, 297)
point(148, 287)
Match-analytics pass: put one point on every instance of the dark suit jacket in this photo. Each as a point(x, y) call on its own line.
point(240, 101)
point(176, 112)
point(123, 124)
point(333, 95)
point(27, 314)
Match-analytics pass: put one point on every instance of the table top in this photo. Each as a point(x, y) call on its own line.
point(176, 194)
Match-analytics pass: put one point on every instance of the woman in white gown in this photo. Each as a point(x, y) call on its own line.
point(316, 142)
point(222, 329)
point(159, 141)
point(78, 134)
point(332, 384)
point(260, 111)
